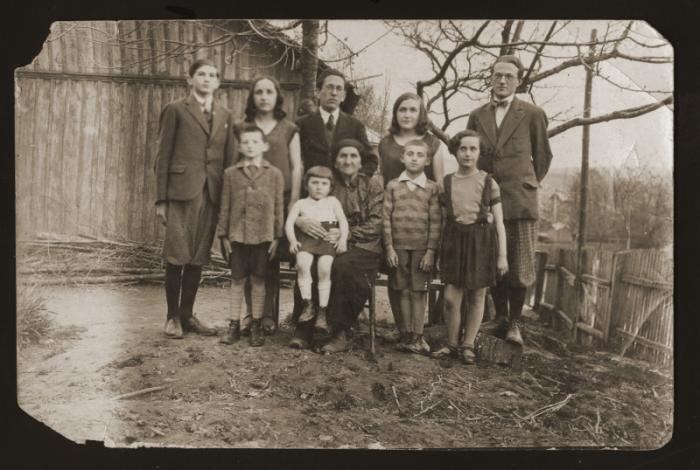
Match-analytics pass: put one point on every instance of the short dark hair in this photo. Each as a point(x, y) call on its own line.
point(453, 145)
point(250, 128)
point(421, 125)
point(511, 59)
point(201, 63)
point(251, 110)
point(327, 73)
point(318, 171)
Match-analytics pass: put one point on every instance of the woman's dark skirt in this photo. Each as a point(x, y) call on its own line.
point(469, 254)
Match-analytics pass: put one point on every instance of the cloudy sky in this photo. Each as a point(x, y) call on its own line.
point(650, 135)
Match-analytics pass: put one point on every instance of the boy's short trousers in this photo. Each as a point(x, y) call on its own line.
point(408, 274)
point(247, 260)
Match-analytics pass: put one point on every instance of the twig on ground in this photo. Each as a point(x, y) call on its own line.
point(456, 407)
point(396, 399)
point(551, 408)
point(490, 411)
point(531, 377)
point(428, 408)
point(141, 392)
point(552, 380)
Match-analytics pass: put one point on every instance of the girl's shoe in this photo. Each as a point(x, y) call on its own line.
point(466, 355)
point(445, 351)
point(307, 311)
point(423, 345)
point(321, 322)
point(256, 337)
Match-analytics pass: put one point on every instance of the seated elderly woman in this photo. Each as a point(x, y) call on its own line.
point(355, 271)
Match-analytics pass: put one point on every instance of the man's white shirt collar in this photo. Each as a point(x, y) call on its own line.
point(205, 103)
point(324, 115)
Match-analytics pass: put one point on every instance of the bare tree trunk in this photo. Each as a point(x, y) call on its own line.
point(309, 58)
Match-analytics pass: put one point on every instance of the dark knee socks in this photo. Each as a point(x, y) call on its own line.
point(516, 298)
point(190, 283)
point(499, 294)
point(173, 278)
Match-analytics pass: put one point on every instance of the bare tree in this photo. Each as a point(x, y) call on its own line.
point(461, 54)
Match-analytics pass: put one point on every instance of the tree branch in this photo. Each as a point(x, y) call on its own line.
point(621, 114)
point(422, 84)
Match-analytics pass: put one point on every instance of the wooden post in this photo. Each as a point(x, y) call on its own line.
point(618, 264)
point(583, 202)
point(560, 289)
point(541, 259)
point(309, 58)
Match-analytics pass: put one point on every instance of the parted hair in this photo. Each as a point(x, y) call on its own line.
point(251, 110)
point(421, 125)
point(318, 171)
point(453, 145)
point(511, 59)
point(327, 73)
point(201, 63)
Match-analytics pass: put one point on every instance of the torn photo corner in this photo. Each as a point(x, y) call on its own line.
point(132, 333)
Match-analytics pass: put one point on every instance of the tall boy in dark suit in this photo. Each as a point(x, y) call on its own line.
point(516, 152)
point(195, 144)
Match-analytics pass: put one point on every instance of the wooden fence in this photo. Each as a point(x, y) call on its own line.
point(87, 111)
point(624, 300)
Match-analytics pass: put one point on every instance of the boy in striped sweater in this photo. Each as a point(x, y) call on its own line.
point(412, 224)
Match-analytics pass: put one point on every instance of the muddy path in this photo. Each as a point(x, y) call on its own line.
point(108, 342)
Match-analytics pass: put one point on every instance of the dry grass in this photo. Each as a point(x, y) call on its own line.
point(33, 322)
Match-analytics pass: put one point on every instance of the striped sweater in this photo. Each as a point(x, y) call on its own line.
point(412, 219)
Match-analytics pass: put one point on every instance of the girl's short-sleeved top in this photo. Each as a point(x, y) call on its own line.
point(390, 153)
point(467, 195)
point(322, 210)
point(278, 154)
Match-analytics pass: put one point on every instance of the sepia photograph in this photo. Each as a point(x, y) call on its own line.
point(347, 234)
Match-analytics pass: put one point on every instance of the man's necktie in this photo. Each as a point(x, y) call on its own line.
point(500, 104)
point(330, 124)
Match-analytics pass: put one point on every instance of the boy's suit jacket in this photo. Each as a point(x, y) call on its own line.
point(517, 155)
point(189, 153)
point(315, 149)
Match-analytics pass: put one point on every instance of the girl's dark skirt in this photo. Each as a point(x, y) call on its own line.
point(315, 246)
point(469, 254)
point(189, 232)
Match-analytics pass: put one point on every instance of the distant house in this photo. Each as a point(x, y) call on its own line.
point(88, 106)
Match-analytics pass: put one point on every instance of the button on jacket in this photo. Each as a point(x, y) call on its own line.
point(251, 209)
point(191, 152)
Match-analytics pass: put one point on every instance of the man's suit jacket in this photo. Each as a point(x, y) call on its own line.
point(315, 149)
point(189, 153)
point(517, 154)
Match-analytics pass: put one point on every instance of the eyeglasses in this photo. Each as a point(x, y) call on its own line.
point(337, 88)
point(508, 76)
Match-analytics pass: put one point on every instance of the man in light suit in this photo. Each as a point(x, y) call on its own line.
point(515, 150)
point(328, 125)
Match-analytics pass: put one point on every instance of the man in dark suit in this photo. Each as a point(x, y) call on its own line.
point(515, 150)
point(322, 129)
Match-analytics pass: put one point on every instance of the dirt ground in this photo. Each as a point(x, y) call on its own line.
point(108, 341)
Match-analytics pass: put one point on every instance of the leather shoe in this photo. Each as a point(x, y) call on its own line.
point(513, 334)
point(307, 311)
point(339, 343)
point(173, 328)
point(233, 334)
point(321, 322)
point(268, 326)
point(194, 325)
point(301, 338)
point(256, 337)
